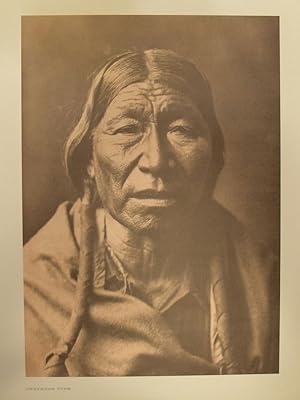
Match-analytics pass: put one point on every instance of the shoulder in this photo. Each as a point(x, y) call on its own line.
point(251, 253)
point(54, 242)
point(251, 267)
point(57, 243)
point(48, 286)
point(252, 281)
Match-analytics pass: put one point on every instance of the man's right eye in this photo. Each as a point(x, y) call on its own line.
point(128, 129)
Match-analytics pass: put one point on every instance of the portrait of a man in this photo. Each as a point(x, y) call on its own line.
point(143, 271)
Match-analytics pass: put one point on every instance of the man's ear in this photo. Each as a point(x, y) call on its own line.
point(91, 169)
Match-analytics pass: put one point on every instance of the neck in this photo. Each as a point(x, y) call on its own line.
point(148, 258)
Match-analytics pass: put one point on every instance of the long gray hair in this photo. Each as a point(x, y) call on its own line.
point(133, 67)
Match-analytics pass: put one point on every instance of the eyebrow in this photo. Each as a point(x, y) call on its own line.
point(170, 110)
point(174, 110)
point(175, 107)
point(128, 113)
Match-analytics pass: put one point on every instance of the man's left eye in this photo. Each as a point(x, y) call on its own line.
point(182, 129)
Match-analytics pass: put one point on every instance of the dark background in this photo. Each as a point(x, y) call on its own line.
point(240, 57)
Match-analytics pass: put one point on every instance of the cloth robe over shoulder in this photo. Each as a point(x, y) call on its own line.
point(123, 335)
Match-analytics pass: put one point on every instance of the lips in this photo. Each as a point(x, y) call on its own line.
point(153, 194)
point(155, 199)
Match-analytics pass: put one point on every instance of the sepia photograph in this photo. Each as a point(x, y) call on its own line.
point(151, 195)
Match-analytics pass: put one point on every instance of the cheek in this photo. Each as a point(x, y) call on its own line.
point(109, 162)
point(107, 179)
point(116, 159)
point(195, 158)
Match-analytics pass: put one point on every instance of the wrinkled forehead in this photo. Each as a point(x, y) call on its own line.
point(153, 97)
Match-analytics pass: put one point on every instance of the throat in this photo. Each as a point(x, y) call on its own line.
point(151, 260)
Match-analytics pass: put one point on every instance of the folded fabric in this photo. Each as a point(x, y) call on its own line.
point(122, 335)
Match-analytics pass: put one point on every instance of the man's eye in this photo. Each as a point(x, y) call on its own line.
point(128, 129)
point(183, 130)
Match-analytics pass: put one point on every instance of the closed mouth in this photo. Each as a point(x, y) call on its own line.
point(153, 194)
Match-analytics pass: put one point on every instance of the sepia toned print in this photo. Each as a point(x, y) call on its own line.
point(145, 272)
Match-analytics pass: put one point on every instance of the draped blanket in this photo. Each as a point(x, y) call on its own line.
point(122, 335)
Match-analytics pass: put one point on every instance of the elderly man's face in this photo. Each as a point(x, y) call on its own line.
point(152, 151)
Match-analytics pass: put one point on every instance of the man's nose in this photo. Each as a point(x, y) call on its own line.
point(155, 153)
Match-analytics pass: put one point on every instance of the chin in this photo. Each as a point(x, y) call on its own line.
point(153, 223)
point(145, 224)
point(154, 220)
